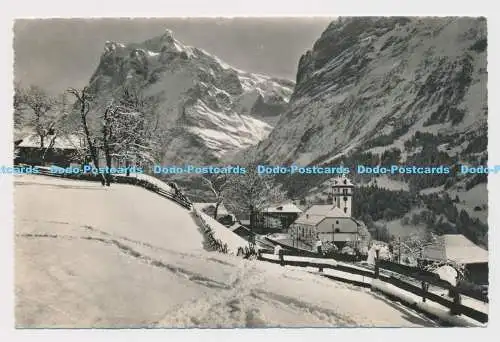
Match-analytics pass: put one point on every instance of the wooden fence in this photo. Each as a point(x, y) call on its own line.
point(181, 199)
point(404, 280)
point(432, 278)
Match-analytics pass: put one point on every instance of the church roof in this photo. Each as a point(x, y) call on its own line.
point(317, 213)
point(310, 220)
point(327, 210)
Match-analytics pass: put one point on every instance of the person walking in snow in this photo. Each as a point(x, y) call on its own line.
point(177, 192)
point(173, 186)
point(277, 249)
point(319, 245)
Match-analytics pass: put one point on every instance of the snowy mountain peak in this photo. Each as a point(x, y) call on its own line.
point(208, 108)
point(168, 33)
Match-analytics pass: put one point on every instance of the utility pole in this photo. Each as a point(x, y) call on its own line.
point(333, 234)
point(399, 246)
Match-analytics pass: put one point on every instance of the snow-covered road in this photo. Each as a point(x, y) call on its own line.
point(88, 256)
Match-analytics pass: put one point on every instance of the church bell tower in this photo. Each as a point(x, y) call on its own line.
point(343, 189)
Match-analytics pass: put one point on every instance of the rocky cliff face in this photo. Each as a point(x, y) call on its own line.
point(207, 108)
point(371, 83)
point(408, 91)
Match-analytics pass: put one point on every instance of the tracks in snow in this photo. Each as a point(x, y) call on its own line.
point(124, 248)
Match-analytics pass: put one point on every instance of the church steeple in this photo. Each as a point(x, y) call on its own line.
point(343, 189)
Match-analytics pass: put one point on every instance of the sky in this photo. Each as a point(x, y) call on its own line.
point(60, 53)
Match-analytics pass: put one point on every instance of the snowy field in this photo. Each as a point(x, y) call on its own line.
point(89, 256)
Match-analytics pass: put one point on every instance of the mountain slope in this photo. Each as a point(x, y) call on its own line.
point(386, 91)
point(207, 108)
point(372, 82)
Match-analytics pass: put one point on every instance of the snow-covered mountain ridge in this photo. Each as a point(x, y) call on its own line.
point(207, 108)
point(370, 83)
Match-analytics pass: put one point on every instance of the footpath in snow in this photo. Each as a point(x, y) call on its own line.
point(89, 256)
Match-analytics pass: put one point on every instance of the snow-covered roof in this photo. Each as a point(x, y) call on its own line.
point(317, 213)
point(283, 208)
point(457, 248)
point(20, 134)
point(238, 228)
point(311, 220)
point(328, 210)
point(71, 141)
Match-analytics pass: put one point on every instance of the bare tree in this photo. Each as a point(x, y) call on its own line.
point(218, 184)
point(18, 106)
point(459, 267)
point(129, 130)
point(415, 244)
point(251, 192)
point(83, 100)
point(41, 111)
point(47, 115)
point(106, 137)
point(61, 126)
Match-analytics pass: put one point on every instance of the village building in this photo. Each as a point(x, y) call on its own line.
point(331, 222)
point(328, 222)
point(243, 232)
point(276, 219)
point(458, 249)
point(58, 150)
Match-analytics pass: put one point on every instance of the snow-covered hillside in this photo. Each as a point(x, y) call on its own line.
point(207, 108)
point(89, 256)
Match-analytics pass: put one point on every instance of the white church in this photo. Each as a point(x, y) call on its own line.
point(331, 222)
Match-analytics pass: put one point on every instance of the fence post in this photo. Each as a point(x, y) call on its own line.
point(455, 308)
point(282, 260)
point(425, 289)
